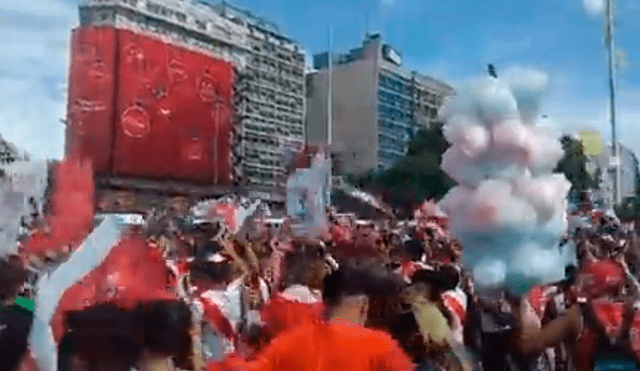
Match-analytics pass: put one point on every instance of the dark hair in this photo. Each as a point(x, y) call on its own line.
point(570, 273)
point(208, 249)
point(299, 263)
point(349, 280)
point(210, 271)
point(452, 274)
point(167, 329)
point(413, 248)
point(15, 325)
point(65, 353)
point(438, 280)
point(12, 276)
point(105, 332)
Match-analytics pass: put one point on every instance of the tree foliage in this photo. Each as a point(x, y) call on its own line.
point(419, 175)
point(574, 165)
point(416, 177)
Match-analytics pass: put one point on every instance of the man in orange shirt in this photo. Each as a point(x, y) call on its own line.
point(341, 342)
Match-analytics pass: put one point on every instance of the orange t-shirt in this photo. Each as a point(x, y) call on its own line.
point(281, 314)
point(326, 347)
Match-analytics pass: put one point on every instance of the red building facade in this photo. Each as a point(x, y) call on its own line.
point(142, 107)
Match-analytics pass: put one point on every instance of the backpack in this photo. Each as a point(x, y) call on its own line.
point(612, 353)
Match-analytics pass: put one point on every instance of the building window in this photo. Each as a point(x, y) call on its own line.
point(181, 17)
point(200, 24)
point(153, 8)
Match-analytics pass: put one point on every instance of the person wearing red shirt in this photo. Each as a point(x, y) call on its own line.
point(299, 303)
point(340, 342)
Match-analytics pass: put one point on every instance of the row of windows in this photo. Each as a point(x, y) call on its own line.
point(384, 142)
point(279, 128)
point(394, 100)
point(404, 135)
point(260, 129)
point(178, 33)
point(286, 105)
point(170, 13)
point(388, 113)
point(391, 127)
point(389, 155)
point(271, 130)
point(397, 101)
point(261, 153)
point(275, 66)
point(391, 113)
point(250, 137)
point(265, 78)
point(278, 115)
point(244, 84)
point(263, 161)
point(409, 88)
point(257, 175)
point(271, 50)
point(395, 85)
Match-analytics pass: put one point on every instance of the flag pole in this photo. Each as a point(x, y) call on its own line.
point(610, 20)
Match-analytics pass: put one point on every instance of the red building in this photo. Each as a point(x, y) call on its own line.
point(141, 107)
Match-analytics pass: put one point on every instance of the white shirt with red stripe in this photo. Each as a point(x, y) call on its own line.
point(217, 299)
point(456, 301)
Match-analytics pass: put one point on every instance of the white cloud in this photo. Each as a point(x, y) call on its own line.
point(34, 44)
point(594, 6)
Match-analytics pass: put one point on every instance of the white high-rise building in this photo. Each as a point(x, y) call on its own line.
point(377, 105)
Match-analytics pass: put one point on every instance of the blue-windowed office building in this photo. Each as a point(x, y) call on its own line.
point(377, 105)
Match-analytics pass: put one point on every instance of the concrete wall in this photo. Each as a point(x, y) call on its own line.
point(355, 112)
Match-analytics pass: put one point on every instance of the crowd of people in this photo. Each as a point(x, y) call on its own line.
point(389, 295)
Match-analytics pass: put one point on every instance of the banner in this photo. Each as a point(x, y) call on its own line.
point(50, 288)
point(308, 192)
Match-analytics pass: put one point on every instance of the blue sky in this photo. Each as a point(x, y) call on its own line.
point(452, 40)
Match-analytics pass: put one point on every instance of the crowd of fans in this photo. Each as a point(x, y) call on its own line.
point(365, 296)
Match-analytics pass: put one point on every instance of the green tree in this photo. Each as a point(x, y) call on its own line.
point(416, 177)
point(574, 165)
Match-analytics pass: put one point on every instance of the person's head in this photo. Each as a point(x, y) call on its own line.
point(102, 337)
point(305, 266)
point(12, 277)
point(167, 331)
point(15, 326)
point(431, 284)
point(452, 273)
point(347, 290)
point(207, 249)
point(210, 272)
point(413, 249)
